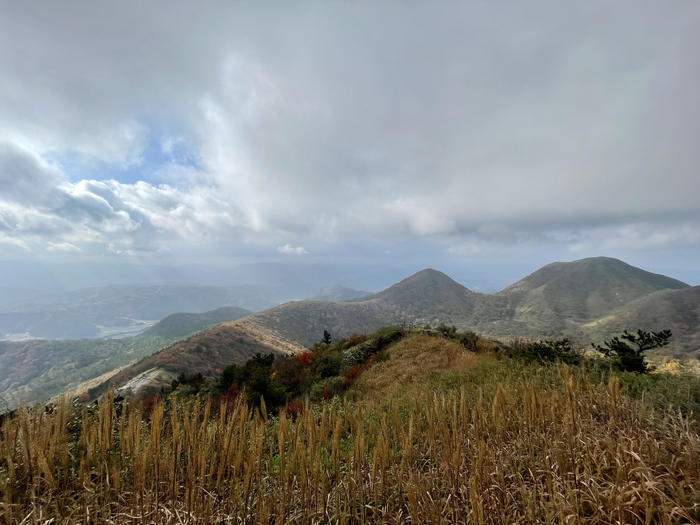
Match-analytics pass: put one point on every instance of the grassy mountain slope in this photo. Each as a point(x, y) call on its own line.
point(428, 296)
point(206, 352)
point(304, 321)
point(408, 363)
point(560, 299)
point(678, 310)
point(38, 369)
point(184, 324)
point(588, 288)
point(432, 433)
point(593, 299)
point(291, 327)
point(614, 279)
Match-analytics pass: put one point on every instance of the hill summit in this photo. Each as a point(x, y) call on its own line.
point(594, 273)
point(583, 290)
point(429, 282)
point(429, 290)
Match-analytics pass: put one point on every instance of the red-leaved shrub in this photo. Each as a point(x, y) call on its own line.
point(294, 407)
point(353, 373)
point(305, 358)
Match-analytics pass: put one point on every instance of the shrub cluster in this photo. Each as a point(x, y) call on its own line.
point(551, 351)
point(324, 371)
point(358, 354)
point(328, 369)
point(624, 353)
point(194, 381)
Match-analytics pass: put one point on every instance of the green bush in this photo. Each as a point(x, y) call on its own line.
point(358, 354)
point(450, 332)
point(387, 335)
point(552, 351)
point(680, 392)
point(329, 365)
point(468, 340)
point(329, 387)
point(255, 375)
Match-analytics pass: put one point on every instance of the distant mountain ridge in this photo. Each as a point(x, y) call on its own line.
point(557, 300)
point(339, 293)
point(183, 324)
point(586, 299)
point(35, 370)
point(117, 311)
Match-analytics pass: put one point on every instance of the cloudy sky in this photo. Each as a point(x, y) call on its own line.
point(474, 137)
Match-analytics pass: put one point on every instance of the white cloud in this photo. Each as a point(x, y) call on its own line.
point(61, 247)
point(488, 125)
point(288, 249)
point(42, 208)
point(6, 239)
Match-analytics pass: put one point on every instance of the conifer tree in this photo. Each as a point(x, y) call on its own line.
point(627, 350)
point(327, 340)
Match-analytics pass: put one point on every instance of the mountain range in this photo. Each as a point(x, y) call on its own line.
point(586, 300)
point(34, 370)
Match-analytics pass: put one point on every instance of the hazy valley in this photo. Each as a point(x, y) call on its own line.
point(34, 370)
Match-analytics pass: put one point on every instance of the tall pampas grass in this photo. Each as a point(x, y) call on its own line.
point(519, 451)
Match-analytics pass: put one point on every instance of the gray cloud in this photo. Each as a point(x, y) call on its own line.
point(466, 125)
point(288, 249)
point(41, 209)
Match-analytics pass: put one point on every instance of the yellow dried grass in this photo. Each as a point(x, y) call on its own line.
point(575, 452)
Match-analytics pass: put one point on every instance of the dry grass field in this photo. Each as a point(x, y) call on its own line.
point(430, 434)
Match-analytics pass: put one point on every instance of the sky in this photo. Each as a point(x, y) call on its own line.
point(485, 139)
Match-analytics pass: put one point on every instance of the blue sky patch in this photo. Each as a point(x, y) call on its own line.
point(161, 150)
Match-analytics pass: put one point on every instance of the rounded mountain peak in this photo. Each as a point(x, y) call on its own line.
point(427, 285)
point(596, 273)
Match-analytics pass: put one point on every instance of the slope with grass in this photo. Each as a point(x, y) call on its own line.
point(184, 324)
point(460, 437)
point(35, 370)
point(561, 299)
point(407, 365)
point(206, 353)
point(427, 297)
point(677, 310)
